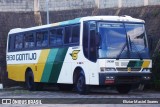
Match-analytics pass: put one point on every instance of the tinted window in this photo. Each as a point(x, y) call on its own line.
point(56, 37)
point(92, 49)
point(137, 40)
point(75, 33)
point(11, 42)
point(67, 36)
point(59, 37)
point(53, 34)
point(85, 40)
point(42, 39)
point(29, 40)
point(19, 41)
point(113, 40)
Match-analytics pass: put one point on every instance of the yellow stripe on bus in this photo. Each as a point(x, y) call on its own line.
point(41, 64)
point(17, 71)
point(145, 64)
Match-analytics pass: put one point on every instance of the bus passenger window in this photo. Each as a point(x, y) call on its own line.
point(75, 34)
point(45, 39)
point(67, 36)
point(52, 39)
point(29, 41)
point(9, 43)
point(19, 42)
point(42, 39)
point(59, 38)
point(39, 39)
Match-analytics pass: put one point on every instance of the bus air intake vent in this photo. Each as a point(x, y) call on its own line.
point(126, 69)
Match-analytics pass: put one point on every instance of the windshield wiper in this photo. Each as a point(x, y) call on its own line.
point(132, 43)
point(118, 56)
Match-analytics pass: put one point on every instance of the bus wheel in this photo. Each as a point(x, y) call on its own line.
point(65, 87)
point(81, 85)
point(30, 84)
point(123, 88)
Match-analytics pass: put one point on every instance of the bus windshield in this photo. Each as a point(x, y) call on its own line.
point(137, 40)
point(120, 40)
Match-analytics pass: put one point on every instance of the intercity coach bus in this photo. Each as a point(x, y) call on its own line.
point(83, 52)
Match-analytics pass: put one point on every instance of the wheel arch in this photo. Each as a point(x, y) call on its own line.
point(28, 69)
point(76, 73)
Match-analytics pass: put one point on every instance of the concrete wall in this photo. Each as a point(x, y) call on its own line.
point(132, 3)
point(154, 2)
point(16, 5)
point(66, 4)
point(108, 3)
point(56, 5)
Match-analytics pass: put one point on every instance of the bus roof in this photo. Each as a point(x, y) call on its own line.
point(124, 18)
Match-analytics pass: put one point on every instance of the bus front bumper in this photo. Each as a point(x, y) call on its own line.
point(124, 78)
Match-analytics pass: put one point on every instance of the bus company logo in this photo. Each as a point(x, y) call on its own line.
point(74, 54)
point(22, 57)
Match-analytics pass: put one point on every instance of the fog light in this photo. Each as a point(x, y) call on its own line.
point(112, 77)
point(109, 77)
point(147, 77)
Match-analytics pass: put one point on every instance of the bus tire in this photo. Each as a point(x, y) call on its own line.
point(123, 88)
point(29, 80)
point(81, 86)
point(65, 87)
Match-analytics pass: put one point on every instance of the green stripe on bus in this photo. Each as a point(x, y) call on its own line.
point(57, 66)
point(135, 64)
point(49, 65)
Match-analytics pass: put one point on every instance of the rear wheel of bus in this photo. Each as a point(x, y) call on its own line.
point(29, 80)
point(30, 84)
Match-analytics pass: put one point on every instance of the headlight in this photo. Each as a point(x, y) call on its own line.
point(107, 69)
point(146, 70)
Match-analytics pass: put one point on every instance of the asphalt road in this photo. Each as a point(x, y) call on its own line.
point(18, 92)
point(74, 97)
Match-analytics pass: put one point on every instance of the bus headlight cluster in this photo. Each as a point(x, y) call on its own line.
point(109, 77)
point(107, 69)
point(146, 70)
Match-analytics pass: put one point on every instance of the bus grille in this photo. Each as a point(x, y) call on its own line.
point(126, 69)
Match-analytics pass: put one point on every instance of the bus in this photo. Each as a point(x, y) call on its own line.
point(79, 53)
